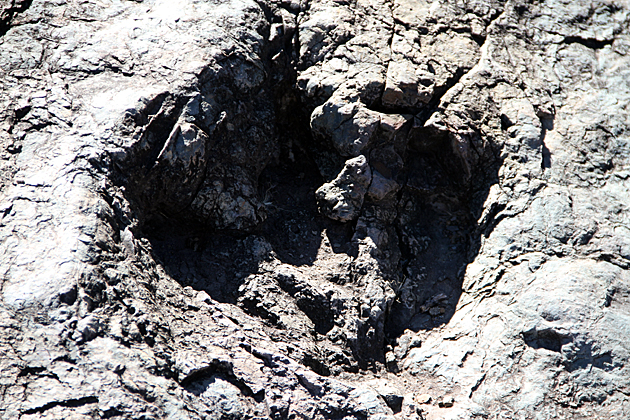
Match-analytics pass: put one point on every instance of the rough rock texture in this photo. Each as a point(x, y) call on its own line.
point(342, 198)
point(323, 209)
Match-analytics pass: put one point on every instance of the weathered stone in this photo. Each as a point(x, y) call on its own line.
point(348, 124)
point(381, 187)
point(390, 394)
point(342, 198)
point(161, 169)
point(406, 87)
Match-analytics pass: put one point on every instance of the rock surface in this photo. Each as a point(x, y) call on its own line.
point(319, 209)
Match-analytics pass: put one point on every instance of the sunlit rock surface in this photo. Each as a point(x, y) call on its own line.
point(318, 209)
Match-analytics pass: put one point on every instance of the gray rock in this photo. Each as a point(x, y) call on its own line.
point(348, 124)
point(382, 187)
point(406, 86)
point(390, 394)
point(447, 402)
point(161, 171)
point(342, 198)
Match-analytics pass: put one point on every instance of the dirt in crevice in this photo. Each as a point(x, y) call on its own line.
point(430, 247)
point(435, 230)
point(219, 261)
point(435, 226)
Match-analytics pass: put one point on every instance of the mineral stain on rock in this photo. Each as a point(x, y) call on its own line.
point(325, 210)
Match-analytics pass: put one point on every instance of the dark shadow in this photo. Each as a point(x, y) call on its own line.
point(214, 262)
point(437, 209)
point(548, 339)
point(8, 13)
point(211, 376)
point(430, 225)
point(583, 356)
point(547, 125)
point(440, 236)
point(293, 226)
point(218, 262)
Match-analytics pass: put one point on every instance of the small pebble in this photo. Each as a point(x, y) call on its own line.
point(423, 399)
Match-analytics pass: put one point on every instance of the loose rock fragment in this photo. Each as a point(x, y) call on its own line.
point(405, 342)
point(342, 198)
point(423, 399)
point(447, 402)
point(410, 408)
point(382, 187)
point(392, 395)
point(432, 305)
point(390, 361)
